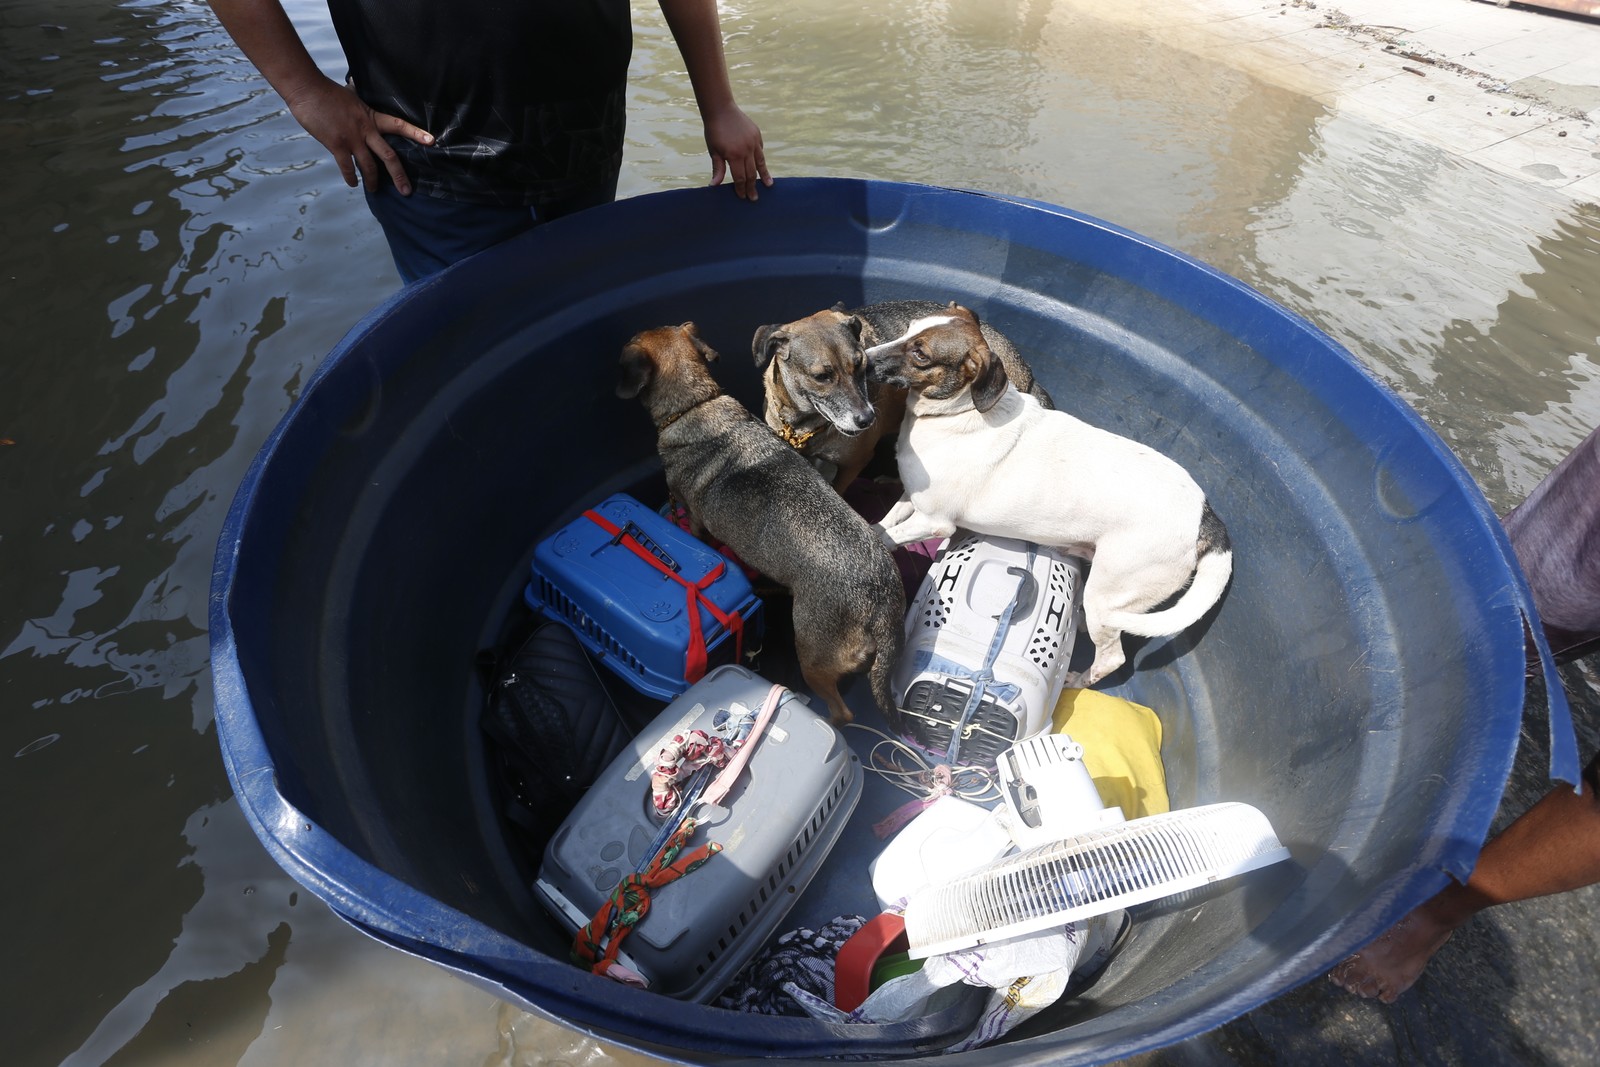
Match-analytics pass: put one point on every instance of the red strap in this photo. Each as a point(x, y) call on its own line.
point(600, 942)
point(694, 660)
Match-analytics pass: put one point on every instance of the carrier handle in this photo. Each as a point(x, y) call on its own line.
point(695, 657)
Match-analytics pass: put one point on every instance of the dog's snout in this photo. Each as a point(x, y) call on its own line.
point(860, 420)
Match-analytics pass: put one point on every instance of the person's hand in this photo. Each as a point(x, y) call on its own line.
point(353, 133)
point(734, 141)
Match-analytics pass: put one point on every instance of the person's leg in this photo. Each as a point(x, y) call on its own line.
point(1553, 847)
point(426, 233)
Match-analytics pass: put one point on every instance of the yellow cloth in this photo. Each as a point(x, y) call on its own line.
point(1121, 748)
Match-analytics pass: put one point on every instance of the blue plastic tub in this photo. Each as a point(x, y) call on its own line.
point(1362, 682)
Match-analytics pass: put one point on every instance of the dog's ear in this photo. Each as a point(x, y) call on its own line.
point(637, 369)
point(958, 309)
point(854, 325)
point(769, 343)
point(838, 305)
point(692, 331)
point(991, 381)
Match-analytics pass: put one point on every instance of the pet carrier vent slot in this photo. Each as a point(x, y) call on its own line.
point(819, 819)
point(1060, 579)
point(578, 618)
point(963, 551)
point(937, 613)
point(1044, 648)
point(949, 579)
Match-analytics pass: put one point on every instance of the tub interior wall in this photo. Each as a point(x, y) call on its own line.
point(378, 745)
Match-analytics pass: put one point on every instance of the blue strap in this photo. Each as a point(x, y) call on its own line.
point(1021, 600)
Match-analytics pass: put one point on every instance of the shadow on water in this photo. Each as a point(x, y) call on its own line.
point(181, 255)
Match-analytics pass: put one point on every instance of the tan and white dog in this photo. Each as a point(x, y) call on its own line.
point(976, 453)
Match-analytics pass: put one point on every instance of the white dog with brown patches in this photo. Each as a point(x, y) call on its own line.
point(976, 453)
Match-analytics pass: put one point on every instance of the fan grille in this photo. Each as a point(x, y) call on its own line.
point(1095, 872)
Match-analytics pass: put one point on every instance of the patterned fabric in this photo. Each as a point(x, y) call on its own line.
point(1556, 536)
point(599, 942)
point(677, 760)
point(800, 960)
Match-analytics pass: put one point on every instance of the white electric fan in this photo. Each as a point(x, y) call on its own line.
point(1095, 863)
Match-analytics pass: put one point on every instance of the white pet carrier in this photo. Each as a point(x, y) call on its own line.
point(988, 645)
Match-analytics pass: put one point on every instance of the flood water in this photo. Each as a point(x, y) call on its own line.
point(180, 255)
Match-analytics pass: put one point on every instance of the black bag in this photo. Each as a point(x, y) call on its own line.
point(552, 729)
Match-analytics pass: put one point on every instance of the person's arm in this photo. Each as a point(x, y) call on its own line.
point(332, 113)
point(732, 138)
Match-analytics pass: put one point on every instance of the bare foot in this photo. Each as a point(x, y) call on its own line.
point(1388, 967)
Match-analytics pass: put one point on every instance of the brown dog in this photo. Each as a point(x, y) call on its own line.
point(757, 495)
point(818, 396)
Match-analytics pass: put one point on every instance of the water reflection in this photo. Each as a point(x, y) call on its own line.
point(184, 254)
point(145, 315)
point(1461, 289)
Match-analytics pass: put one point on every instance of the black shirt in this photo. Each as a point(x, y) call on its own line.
point(525, 98)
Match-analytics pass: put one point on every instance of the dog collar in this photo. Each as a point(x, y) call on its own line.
point(794, 438)
point(670, 419)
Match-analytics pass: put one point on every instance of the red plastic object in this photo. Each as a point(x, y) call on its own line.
point(852, 968)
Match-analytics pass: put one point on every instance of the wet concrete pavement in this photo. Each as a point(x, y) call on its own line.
point(1513, 89)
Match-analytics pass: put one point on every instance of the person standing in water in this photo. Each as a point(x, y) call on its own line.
point(501, 116)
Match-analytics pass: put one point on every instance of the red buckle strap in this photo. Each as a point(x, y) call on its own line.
point(599, 943)
point(694, 660)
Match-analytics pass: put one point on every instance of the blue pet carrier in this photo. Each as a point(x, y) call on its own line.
point(652, 603)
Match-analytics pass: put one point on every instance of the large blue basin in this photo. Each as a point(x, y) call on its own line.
point(1362, 682)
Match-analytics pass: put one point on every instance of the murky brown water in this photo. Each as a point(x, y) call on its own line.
point(179, 255)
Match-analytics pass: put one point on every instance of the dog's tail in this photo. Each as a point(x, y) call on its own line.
point(888, 637)
point(1211, 575)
